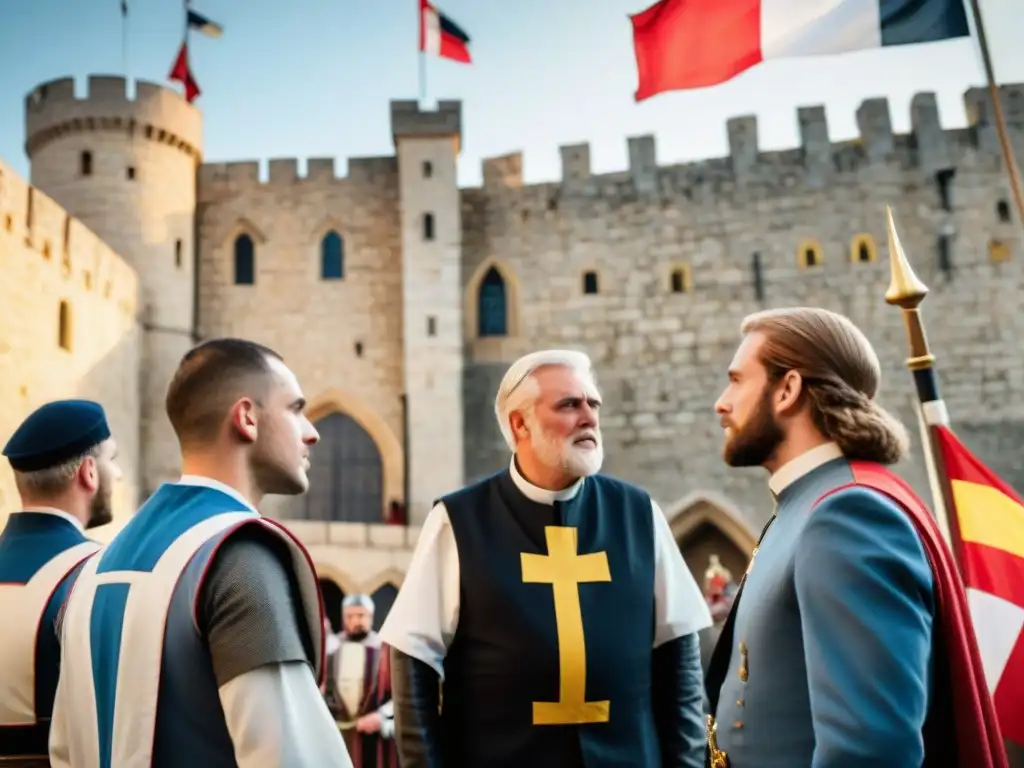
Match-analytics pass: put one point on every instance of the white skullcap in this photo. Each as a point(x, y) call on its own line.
point(521, 369)
point(360, 601)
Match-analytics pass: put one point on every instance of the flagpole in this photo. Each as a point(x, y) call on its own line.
point(907, 292)
point(1009, 160)
point(423, 78)
point(124, 38)
point(420, 37)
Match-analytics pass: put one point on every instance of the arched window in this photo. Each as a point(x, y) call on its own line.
point(85, 163)
point(862, 249)
point(332, 257)
point(590, 282)
point(245, 260)
point(809, 254)
point(492, 308)
point(428, 226)
point(64, 326)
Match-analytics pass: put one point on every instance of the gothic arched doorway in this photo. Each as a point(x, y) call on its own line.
point(332, 596)
point(709, 535)
point(346, 478)
point(703, 528)
point(383, 598)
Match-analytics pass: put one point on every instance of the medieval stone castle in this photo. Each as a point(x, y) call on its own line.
point(399, 298)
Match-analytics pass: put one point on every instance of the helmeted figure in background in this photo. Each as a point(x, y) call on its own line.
point(552, 601)
point(63, 458)
point(843, 646)
point(359, 687)
point(195, 638)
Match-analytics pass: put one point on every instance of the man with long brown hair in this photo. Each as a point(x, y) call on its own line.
point(846, 645)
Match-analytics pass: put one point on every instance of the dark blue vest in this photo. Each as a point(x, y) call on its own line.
point(28, 543)
point(511, 660)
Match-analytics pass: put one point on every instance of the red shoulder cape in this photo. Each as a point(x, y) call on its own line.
point(962, 729)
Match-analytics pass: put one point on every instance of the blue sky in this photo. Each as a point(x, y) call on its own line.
point(312, 78)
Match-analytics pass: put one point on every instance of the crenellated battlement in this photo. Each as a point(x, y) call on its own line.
point(156, 113)
point(216, 179)
point(64, 243)
point(928, 146)
point(409, 119)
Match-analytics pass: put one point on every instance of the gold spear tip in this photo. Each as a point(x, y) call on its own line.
point(905, 289)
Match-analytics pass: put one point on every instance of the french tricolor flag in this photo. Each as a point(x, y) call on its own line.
point(441, 36)
point(684, 44)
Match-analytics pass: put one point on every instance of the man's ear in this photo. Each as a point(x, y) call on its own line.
point(89, 474)
point(244, 421)
point(788, 392)
point(519, 428)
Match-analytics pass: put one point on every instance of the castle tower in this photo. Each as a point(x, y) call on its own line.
point(127, 169)
point(427, 144)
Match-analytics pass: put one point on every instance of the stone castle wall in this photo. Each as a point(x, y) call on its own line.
point(742, 233)
point(67, 326)
point(342, 337)
point(649, 270)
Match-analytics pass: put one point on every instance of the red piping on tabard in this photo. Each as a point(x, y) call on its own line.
point(322, 677)
point(281, 530)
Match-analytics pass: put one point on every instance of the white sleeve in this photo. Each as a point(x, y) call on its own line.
point(276, 716)
point(423, 618)
point(679, 606)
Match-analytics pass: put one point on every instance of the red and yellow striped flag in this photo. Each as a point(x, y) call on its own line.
point(989, 517)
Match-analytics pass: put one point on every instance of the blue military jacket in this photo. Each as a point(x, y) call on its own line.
point(831, 649)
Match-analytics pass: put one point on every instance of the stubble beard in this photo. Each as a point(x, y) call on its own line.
point(272, 474)
point(753, 444)
point(101, 509)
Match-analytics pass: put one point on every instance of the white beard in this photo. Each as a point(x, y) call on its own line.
point(564, 454)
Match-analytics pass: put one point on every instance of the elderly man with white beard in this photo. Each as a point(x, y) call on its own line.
point(547, 618)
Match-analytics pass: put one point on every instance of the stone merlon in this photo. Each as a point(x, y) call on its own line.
point(155, 113)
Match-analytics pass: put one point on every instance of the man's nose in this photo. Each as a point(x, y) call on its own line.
point(312, 436)
point(588, 415)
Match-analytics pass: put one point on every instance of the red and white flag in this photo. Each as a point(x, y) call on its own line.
point(684, 44)
point(441, 36)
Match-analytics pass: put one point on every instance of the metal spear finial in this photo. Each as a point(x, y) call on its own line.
point(905, 289)
point(907, 292)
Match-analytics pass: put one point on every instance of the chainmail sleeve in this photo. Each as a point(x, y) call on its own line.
point(250, 607)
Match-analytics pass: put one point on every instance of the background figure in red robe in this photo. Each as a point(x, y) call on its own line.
point(719, 590)
point(358, 688)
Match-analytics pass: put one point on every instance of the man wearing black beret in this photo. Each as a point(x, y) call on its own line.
point(63, 458)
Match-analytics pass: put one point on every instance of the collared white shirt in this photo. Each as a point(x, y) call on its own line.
point(423, 619)
point(806, 462)
point(56, 513)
